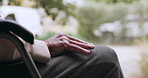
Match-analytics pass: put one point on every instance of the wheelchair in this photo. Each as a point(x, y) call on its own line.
point(9, 30)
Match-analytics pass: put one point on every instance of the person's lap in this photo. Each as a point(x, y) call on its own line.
point(101, 63)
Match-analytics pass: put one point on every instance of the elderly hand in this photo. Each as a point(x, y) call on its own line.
point(62, 43)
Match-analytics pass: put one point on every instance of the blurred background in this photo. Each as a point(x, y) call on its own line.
point(119, 24)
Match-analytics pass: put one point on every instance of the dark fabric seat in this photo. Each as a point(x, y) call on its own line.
point(9, 30)
point(9, 69)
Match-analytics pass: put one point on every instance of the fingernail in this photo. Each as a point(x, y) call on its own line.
point(88, 52)
point(92, 46)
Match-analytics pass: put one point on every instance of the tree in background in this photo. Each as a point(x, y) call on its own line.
point(0, 2)
point(15, 2)
point(114, 1)
point(51, 7)
point(91, 16)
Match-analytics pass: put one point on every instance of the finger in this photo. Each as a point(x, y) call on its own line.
point(60, 34)
point(78, 40)
point(63, 38)
point(75, 48)
point(86, 46)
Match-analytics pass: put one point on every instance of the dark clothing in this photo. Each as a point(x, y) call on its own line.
point(101, 63)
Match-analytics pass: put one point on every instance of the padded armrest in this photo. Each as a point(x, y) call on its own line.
point(9, 26)
point(9, 30)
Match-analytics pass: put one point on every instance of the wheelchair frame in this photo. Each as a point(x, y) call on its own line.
point(7, 34)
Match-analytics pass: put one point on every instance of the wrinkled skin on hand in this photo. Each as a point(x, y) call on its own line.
point(64, 43)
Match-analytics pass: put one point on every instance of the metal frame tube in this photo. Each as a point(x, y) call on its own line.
point(25, 55)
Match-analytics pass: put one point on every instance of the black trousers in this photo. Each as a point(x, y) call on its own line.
point(101, 63)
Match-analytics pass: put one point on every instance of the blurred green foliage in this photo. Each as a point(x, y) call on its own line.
point(0, 2)
point(15, 2)
point(114, 1)
point(50, 34)
point(51, 7)
point(47, 36)
point(92, 15)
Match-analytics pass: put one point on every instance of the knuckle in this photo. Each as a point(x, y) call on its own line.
point(63, 38)
point(58, 33)
point(66, 45)
point(63, 43)
point(61, 34)
point(75, 46)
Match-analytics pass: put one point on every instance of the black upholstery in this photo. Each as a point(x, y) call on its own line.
point(9, 30)
point(7, 25)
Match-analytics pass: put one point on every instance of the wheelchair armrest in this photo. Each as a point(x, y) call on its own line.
point(9, 26)
point(9, 30)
